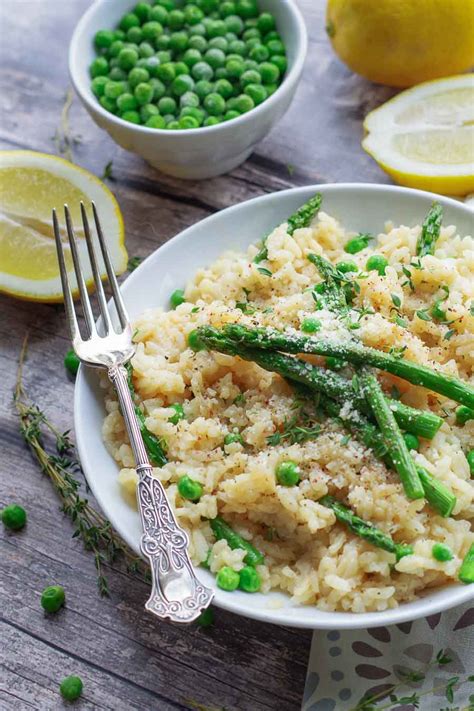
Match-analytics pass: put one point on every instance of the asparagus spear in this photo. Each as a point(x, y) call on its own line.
point(424, 424)
point(365, 530)
point(430, 231)
point(466, 571)
point(436, 493)
point(152, 444)
point(393, 438)
point(221, 529)
point(333, 295)
point(303, 216)
point(354, 352)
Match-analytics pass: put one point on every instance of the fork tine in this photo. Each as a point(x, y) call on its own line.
point(68, 302)
point(85, 301)
point(95, 270)
point(119, 305)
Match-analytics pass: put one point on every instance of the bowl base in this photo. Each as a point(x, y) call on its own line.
point(203, 171)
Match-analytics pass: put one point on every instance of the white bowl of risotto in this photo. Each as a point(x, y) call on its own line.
point(238, 422)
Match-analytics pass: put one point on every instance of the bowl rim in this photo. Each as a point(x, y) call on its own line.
point(290, 79)
point(340, 620)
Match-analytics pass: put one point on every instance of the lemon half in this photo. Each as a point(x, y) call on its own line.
point(424, 137)
point(31, 184)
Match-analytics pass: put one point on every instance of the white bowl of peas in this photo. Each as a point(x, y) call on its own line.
point(189, 86)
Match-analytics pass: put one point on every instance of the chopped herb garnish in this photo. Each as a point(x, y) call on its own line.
point(396, 301)
point(133, 263)
point(107, 173)
point(264, 271)
point(423, 315)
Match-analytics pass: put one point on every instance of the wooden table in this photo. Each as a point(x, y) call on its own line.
point(126, 658)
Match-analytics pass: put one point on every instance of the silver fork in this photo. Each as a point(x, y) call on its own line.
point(176, 591)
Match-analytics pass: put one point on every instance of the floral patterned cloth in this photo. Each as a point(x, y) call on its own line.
point(345, 666)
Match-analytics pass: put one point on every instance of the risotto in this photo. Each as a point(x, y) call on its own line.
point(239, 422)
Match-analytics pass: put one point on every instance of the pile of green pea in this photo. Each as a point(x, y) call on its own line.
point(179, 65)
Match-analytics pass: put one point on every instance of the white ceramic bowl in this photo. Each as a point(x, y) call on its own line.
point(364, 208)
point(195, 153)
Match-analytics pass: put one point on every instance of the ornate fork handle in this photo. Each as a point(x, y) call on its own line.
point(176, 591)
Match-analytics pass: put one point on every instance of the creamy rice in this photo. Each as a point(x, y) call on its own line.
point(307, 553)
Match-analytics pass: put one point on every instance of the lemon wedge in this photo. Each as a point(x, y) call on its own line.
point(424, 137)
point(31, 184)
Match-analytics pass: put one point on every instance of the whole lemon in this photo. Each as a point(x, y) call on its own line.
point(403, 42)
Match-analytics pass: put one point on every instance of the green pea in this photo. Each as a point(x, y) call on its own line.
point(377, 263)
point(197, 42)
point(272, 35)
point(167, 105)
point(202, 70)
point(244, 103)
point(209, 6)
point(250, 76)
point(173, 125)
point(230, 115)
point(252, 33)
point(357, 244)
point(128, 21)
point(233, 438)
point(275, 46)
point(227, 579)
point(464, 414)
point(98, 85)
point(234, 23)
point(441, 552)
point(117, 74)
point(193, 14)
point(253, 42)
point(211, 121)
point(187, 122)
point(53, 598)
point(145, 50)
point(135, 35)
point(138, 75)
point(108, 104)
point(178, 41)
point(238, 47)
point(115, 48)
point(251, 64)
point(203, 88)
point(335, 363)
point(119, 34)
point(230, 37)
point(437, 311)
point(71, 362)
point(168, 4)
point(194, 111)
point(156, 121)
point(194, 341)
point(346, 267)
point(310, 325)
point(269, 72)
point(131, 117)
point(189, 488)
point(164, 56)
point(279, 61)
point(181, 68)
point(103, 39)
point(215, 57)
point(260, 54)
point(221, 73)
point(159, 89)
point(113, 89)
point(71, 688)
point(224, 88)
point(13, 517)
point(206, 618)
point(246, 8)
point(470, 461)
point(99, 67)
point(182, 84)
point(219, 43)
point(177, 298)
point(143, 93)
point(158, 14)
point(176, 19)
point(288, 473)
point(198, 30)
point(227, 8)
point(178, 413)
point(189, 98)
point(142, 11)
point(166, 72)
point(411, 441)
point(162, 43)
point(257, 93)
point(249, 579)
point(214, 104)
point(127, 58)
point(147, 111)
point(266, 22)
point(235, 67)
point(192, 57)
point(216, 29)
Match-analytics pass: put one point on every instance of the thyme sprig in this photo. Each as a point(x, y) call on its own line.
point(64, 140)
point(55, 454)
